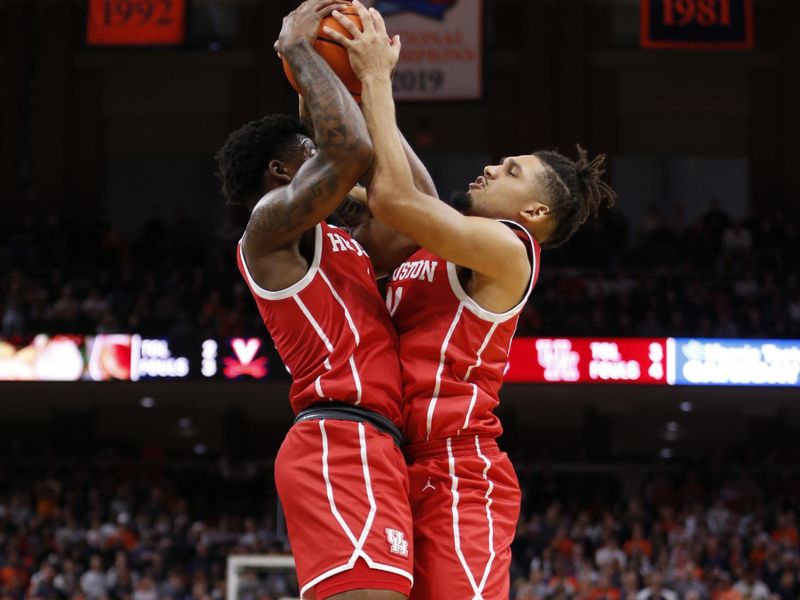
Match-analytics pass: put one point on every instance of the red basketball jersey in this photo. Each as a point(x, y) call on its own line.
point(452, 352)
point(332, 329)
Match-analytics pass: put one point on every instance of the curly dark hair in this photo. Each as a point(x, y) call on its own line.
point(576, 191)
point(248, 150)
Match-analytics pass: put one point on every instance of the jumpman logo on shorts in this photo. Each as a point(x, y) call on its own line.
point(429, 485)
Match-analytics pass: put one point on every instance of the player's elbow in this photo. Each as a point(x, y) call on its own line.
point(378, 199)
point(357, 154)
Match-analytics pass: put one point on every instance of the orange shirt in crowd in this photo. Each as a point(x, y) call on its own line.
point(787, 535)
point(11, 577)
point(642, 546)
point(610, 593)
point(728, 594)
point(565, 546)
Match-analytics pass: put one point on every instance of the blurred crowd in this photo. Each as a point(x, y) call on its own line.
point(650, 532)
point(118, 534)
point(713, 277)
point(712, 534)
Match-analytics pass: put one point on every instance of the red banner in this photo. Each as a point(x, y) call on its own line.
point(588, 360)
point(136, 22)
point(697, 24)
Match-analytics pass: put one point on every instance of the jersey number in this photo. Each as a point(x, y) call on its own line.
point(393, 297)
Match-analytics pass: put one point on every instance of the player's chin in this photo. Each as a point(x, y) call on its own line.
point(461, 201)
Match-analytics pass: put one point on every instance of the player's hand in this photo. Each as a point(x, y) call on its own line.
point(371, 51)
point(303, 22)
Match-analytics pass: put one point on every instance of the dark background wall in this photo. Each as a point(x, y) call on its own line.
point(81, 128)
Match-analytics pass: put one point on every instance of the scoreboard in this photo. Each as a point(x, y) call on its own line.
point(618, 361)
point(697, 24)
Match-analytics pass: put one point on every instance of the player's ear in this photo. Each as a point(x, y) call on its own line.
point(277, 170)
point(535, 213)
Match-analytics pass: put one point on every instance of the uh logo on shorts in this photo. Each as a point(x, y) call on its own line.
point(435, 9)
point(398, 544)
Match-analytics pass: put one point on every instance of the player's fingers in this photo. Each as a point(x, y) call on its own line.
point(320, 5)
point(329, 10)
point(397, 46)
point(377, 19)
point(366, 18)
point(347, 24)
point(338, 37)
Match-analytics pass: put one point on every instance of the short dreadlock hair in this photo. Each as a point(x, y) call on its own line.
point(575, 190)
point(248, 150)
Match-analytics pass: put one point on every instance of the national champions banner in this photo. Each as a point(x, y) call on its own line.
point(442, 56)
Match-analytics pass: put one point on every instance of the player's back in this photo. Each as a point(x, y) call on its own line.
point(332, 329)
point(453, 353)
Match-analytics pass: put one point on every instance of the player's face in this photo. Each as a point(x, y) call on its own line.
point(506, 189)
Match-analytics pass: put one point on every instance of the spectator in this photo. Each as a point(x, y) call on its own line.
point(610, 553)
point(93, 581)
point(725, 589)
point(655, 590)
point(750, 587)
point(146, 589)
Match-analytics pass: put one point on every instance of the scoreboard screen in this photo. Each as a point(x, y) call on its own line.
point(697, 24)
point(135, 22)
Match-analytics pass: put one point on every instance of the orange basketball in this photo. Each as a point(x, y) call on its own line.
point(334, 54)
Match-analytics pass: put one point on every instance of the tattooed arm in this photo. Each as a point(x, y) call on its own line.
point(344, 151)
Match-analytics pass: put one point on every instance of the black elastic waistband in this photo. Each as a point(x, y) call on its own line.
point(343, 411)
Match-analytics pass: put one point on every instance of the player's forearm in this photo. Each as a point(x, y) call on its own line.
point(392, 177)
point(338, 124)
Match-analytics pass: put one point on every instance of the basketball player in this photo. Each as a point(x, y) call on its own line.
point(340, 473)
point(455, 305)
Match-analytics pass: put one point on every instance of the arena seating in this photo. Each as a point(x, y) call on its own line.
point(123, 529)
point(712, 278)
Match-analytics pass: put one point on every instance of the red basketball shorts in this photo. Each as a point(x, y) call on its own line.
point(344, 490)
point(465, 500)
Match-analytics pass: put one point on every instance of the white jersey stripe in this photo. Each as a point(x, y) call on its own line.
point(343, 305)
point(356, 379)
point(442, 353)
point(314, 323)
point(353, 328)
point(329, 487)
point(318, 380)
point(471, 406)
point(362, 440)
point(489, 489)
point(451, 462)
point(485, 343)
